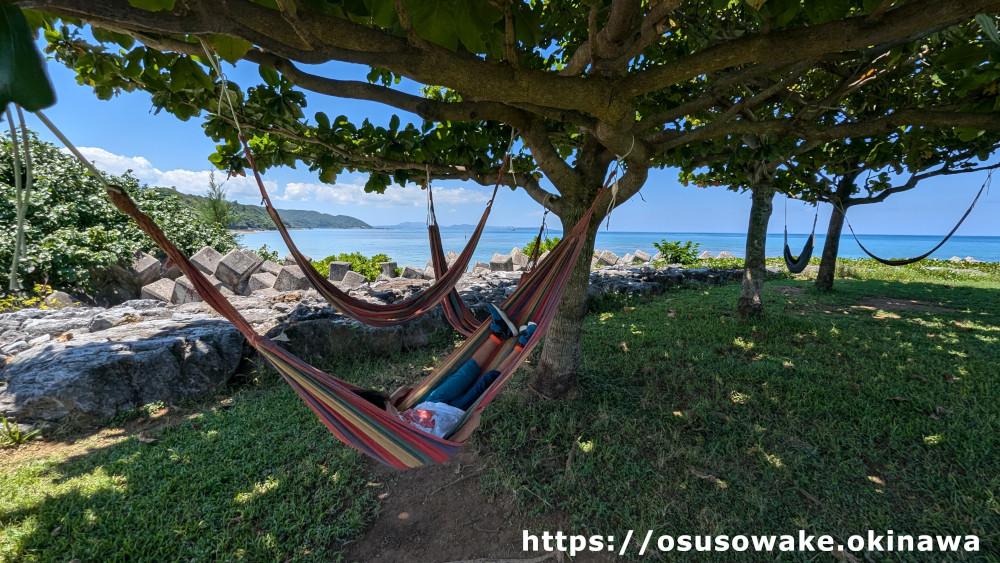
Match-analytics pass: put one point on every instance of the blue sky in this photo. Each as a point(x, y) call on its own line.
point(161, 150)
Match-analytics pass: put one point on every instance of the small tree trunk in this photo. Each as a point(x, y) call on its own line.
point(751, 303)
point(556, 374)
point(828, 264)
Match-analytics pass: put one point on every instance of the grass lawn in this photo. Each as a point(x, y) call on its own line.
point(837, 414)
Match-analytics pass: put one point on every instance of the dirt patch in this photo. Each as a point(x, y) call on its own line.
point(437, 513)
point(80, 442)
point(791, 290)
point(887, 304)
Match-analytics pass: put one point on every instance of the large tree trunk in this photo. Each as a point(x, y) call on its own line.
point(556, 373)
point(751, 303)
point(828, 264)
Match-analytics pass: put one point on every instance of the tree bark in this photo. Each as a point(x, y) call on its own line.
point(556, 373)
point(828, 264)
point(751, 303)
point(840, 199)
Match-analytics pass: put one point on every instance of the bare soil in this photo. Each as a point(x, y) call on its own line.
point(887, 304)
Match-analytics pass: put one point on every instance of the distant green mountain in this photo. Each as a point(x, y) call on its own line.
point(254, 217)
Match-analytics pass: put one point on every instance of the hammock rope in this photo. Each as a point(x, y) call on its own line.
point(361, 310)
point(793, 264)
point(905, 261)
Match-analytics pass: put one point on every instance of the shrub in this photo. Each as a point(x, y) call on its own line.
point(266, 253)
point(547, 244)
point(72, 229)
point(677, 252)
point(368, 267)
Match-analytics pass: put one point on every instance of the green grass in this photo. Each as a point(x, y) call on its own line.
point(820, 417)
point(823, 416)
point(257, 478)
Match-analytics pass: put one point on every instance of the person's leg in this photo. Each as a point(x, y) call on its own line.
point(470, 396)
point(456, 384)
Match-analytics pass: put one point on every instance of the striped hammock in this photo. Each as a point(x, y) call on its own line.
point(373, 314)
point(357, 422)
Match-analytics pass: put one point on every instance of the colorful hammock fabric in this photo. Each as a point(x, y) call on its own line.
point(354, 420)
point(459, 316)
point(364, 311)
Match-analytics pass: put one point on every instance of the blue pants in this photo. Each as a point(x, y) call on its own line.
point(463, 387)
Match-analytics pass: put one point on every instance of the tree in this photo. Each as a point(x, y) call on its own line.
point(583, 85)
point(215, 208)
point(75, 231)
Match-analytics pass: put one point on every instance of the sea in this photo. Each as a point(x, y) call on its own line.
point(408, 245)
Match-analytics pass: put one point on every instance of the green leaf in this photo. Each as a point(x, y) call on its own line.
point(989, 27)
point(153, 5)
point(231, 49)
point(965, 134)
point(269, 75)
point(322, 120)
point(23, 79)
point(394, 123)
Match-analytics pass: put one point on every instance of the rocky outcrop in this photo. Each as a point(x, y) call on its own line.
point(88, 363)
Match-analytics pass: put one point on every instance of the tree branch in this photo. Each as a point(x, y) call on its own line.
point(809, 42)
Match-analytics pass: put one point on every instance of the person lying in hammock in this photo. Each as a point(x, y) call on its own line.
point(446, 404)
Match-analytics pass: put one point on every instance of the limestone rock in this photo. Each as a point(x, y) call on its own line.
point(94, 376)
point(207, 260)
point(237, 266)
point(58, 299)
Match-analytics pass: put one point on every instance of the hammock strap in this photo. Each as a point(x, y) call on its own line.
point(905, 261)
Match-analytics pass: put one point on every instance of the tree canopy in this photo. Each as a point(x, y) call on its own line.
point(650, 82)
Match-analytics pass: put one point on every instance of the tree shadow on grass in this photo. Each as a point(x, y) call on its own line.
point(262, 480)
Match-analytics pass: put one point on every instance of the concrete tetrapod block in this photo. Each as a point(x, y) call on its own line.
point(628, 258)
point(501, 263)
point(237, 266)
point(451, 258)
point(411, 273)
point(261, 280)
point(705, 255)
point(184, 292)
point(289, 261)
point(207, 260)
point(480, 267)
point(338, 270)
point(352, 280)
point(162, 289)
point(388, 269)
point(607, 258)
point(641, 256)
point(725, 254)
point(290, 278)
point(144, 268)
point(270, 267)
point(519, 258)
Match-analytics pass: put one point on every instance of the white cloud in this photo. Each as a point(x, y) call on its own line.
point(187, 181)
point(394, 196)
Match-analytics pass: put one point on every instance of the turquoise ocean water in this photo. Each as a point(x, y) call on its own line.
point(409, 246)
